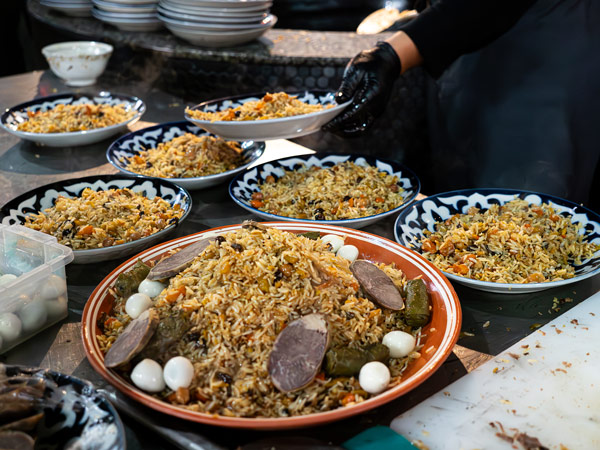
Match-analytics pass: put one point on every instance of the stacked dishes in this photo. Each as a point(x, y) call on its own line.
point(216, 23)
point(75, 8)
point(128, 15)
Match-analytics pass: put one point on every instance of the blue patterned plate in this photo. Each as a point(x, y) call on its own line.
point(263, 130)
point(44, 197)
point(423, 214)
point(12, 117)
point(133, 143)
point(75, 415)
point(244, 184)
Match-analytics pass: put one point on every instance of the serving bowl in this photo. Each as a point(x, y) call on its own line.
point(422, 215)
point(44, 197)
point(75, 415)
point(246, 183)
point(12, 117)
point(440, 334)
point(262, 130)
point(133, 143)
point(73, 9)
point(78, 63)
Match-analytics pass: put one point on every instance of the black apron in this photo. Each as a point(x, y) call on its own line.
point(524, 112)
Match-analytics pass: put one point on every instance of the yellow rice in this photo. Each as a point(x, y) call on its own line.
point(513, 243)
point(71, 118)
point(271, 106)
point(236, 304)
point(104, 218)
point(187, 156)
point(344, 191)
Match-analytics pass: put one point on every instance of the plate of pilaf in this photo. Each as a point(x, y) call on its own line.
point(347, 190)
point(182, 153)
point(216, 339)
point(102, 217)
point(72, 119)
point(504, 240)
point(265, 116)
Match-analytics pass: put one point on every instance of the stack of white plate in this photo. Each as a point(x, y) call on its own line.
point(217, 23)
point(129, 15)
point(76, 8)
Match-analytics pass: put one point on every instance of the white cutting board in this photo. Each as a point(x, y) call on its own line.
point(553, 393)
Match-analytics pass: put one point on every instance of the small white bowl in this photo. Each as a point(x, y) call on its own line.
point(78, 63)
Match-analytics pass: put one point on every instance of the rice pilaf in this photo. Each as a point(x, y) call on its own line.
point(72, 118)
point(187, 156)
point(270, 106)
point(100, 219)
point(513, 243)
point(344, 191)
point(233, 301)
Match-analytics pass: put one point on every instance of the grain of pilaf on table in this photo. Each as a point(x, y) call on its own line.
point(514, 243)
point(72, 118)
point(344, 191)
point(271, 106)
point(227, 308)
point(99, 219)
point(187, 156)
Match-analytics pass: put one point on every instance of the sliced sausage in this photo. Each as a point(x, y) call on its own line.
point(16, 440)
point(174, 264)
point(377, 285)
point(133, 339)
point(298, 353)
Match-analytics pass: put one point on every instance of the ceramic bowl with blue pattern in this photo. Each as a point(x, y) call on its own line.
point(12, 117)
point(263, 130)
point(74, 414)
point(44, 197)
point(245, 184)
point(423, 214)
point(133, 143)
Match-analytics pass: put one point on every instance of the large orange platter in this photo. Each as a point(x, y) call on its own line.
point(441, 333)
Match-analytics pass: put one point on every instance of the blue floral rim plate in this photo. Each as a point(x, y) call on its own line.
point(12, 117)
point(133, 143)
point(75, 415)
point(262, 130)
point(411, 222)
point(246, 183)
point(44, 197)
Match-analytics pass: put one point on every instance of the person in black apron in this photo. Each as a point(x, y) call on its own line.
point(516, 100)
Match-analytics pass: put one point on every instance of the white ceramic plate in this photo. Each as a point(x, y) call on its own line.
point(151, 24)
point(423, 214)
point(214, 12)
point(266, 23)
point(17, 114)
point(245, 184)
point(44, 197)
point(255, 19)
point(248, 5)
point(120, 8)
point(132, 143)
point(129, 17)
point(216, 38)
point(75, 10)
point(263, 130)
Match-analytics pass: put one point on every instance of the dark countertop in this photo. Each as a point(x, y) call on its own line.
point(493, 321)
point(276, 46)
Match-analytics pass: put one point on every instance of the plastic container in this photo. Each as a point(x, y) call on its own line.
point(33, 288)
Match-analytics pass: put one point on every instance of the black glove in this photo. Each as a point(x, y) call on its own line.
point(369, 78)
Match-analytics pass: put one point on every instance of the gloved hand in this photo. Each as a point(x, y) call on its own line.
point(369, 78)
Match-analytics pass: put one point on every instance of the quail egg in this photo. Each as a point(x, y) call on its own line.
point(400, 343)
point(334, 240)
point(151, 288)
point(148, 375)
point(178, 372)
point(10, 326)
point(137, 304)
point(374, 377)
point(349, 252)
